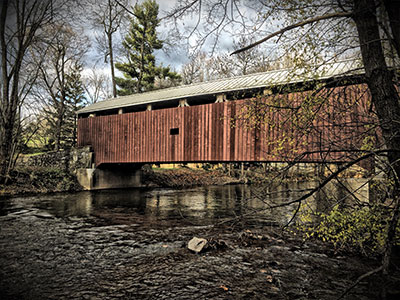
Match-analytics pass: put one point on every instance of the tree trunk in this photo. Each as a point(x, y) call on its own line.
point(5, 151)
point(110, 49)
point(385, 98)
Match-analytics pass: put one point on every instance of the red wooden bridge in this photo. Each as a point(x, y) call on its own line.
point(235, 131)
point(241, 119)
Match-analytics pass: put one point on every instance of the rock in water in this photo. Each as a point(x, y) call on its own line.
point(197, 244)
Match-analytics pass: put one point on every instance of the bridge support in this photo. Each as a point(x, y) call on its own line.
point(110, 176)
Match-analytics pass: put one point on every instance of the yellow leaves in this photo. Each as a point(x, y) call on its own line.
point(363, 228)
point(224, 288)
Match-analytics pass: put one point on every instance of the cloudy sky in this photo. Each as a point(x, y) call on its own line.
point(176, 51)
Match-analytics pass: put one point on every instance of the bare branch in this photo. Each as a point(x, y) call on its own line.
point(296, 25)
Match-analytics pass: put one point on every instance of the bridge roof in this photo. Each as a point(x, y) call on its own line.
point(238, 83)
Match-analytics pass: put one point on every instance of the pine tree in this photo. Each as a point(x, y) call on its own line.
point(75, 100)
point(140, 71)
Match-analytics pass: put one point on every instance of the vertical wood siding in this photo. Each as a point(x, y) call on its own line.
point(221, 132)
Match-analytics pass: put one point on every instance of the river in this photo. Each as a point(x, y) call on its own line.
point(131, 244)
point(203, 205)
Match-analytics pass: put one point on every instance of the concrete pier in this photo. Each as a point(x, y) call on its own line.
point(110, 176)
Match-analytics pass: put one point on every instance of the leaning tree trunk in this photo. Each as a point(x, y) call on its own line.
point(385, 99)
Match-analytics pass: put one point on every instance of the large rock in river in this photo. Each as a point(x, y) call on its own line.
point(197, 244)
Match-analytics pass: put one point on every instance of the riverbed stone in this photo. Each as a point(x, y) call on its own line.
point(197, 244)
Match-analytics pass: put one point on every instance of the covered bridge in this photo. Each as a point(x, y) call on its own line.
point(308, 115)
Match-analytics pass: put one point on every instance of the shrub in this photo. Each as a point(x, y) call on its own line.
point(359, 228)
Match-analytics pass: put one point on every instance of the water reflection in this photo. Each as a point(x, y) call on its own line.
point(202, 203)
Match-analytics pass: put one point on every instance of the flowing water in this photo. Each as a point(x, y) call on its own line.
point(130, 244)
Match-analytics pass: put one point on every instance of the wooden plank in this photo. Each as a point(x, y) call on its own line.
point(201, 135)
point(130, 147)
point(118, 138)
point(220, 129)
point(179, 151)
point(232, 132)
point(185, 133)
point(213, 132)
point(220, 133)
point(237, 140)
point(168, 135)
point(141, 137)
point(192, 135)
point(146, 136)
point(225, 143)
point(157, 136)
point(241, 133)
point(151, 136)
point(136, 138)
point(164, 135)
point(197, 116)
point(182, 134)
point(114, 137)
point(206, 132)
point(175, 118)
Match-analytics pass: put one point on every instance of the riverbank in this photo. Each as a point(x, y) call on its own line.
point(186, 177)
point(32, 180)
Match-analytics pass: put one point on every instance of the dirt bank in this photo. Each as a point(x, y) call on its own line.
point(185, 177)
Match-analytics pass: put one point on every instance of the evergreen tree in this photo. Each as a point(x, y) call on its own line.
point(75, 100)
point(140, 71)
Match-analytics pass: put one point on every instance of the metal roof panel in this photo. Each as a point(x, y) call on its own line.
point(244, 82)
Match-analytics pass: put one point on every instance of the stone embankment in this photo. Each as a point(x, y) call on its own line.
point(47, 172)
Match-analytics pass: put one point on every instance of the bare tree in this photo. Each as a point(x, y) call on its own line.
point(20, 23)
point(247, 62)
point(97, 85)
point(65, 49)
point(197, 69)
point(108, 15)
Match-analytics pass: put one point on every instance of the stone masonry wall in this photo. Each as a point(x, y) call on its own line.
point(70, 160)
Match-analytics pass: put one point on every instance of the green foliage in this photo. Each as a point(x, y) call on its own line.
point(363, 229)
point(140, 71)
point(75, 100)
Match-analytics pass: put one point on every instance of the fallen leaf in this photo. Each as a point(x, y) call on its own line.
point(269, 278)
point(263, 271)
point(165, 246)
point(224, 288)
